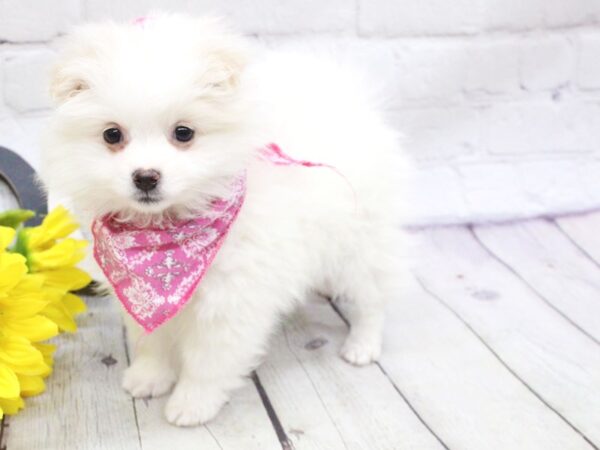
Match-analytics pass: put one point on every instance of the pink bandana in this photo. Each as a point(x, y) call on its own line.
point(155, 270)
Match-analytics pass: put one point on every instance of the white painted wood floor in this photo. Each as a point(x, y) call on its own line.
point(494, 345)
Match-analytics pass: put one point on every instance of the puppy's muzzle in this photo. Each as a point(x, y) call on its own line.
point(146, 180)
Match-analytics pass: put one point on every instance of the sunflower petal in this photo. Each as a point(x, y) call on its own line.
point(58, 224)
point(22, 357)
point(31, 385)
point(9, 383)
point(28, 284)
point(74, 304)
point(13, 268)
point(67, 252)
point(47, 351)
point(11, 405)
point(36, 328)
point(67, 278)
point(22, 306)
point(58, 312)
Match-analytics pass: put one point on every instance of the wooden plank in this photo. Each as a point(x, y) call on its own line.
point(547, 261)
point(84, 406)
point(324, 402)
point(584, 230)
point(459, 387)
point(554, 360)
point(242, 424)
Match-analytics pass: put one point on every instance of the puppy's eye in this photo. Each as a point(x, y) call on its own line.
point(183, 134)
point(112, 136)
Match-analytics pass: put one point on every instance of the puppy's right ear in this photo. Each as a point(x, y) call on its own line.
point(77, 60)
point(66, 82)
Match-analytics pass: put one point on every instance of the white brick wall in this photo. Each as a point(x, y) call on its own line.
point(499, 99)
point(36, 20)
point(588, 67)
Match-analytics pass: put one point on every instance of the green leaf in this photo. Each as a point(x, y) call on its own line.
point(15, 217)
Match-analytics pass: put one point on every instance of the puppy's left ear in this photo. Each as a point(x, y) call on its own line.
point(226, 65)
point(224, 55)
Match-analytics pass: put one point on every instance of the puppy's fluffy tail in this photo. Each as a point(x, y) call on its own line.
point(320, 107)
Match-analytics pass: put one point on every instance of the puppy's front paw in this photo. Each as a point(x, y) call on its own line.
point(360, 352)
point(191, 405)
point(148, 378)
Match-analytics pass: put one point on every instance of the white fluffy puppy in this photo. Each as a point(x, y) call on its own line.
point(300, 229)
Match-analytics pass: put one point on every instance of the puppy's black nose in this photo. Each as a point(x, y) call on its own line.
point(146, 179)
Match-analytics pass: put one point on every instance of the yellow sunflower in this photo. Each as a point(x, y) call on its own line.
point(36, 302)
point(23, 361)
point(49, 251)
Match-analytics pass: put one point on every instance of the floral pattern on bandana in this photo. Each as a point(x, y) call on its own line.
point(155, 270)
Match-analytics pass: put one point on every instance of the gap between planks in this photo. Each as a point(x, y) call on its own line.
point(560, 225)
point(286, 444)
point(133, 405)
point(3, 424)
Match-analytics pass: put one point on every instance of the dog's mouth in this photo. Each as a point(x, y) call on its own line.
point(148, 199)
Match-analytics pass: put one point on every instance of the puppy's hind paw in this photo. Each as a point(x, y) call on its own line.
point(359, 352)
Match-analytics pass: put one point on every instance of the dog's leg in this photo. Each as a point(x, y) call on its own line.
point(151, 373)
point(363, 288)
point(217, 352)
point(365, 311)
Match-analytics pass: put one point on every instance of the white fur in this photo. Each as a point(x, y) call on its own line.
point(301, 229)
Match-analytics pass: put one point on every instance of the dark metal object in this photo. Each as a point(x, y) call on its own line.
point(20, 178)
point(94, 289)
